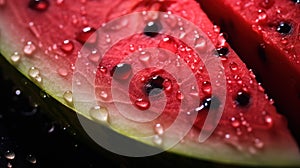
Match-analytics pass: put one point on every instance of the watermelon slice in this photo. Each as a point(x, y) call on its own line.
point(213, 108)
point(265, 33)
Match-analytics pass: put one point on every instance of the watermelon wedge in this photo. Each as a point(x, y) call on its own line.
point(265, 34)
point(158, 72)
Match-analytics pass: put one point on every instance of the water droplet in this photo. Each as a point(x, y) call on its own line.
point(103, 94)
point(152, 28)
point(67, 46)
point(121, 71)
point(200, 44)
point(15, 57)
point(167, 85)
point(242, 98)
point(9, 165)
point(154, 86)
point(206, 88)
point(87, 35)
point(258, 143)
point(284, 28)
point(158, 128)
point(29, 48)
point(233, 66)
point(10, 155)
point(99, 113)
point(234, 122)
point(34, 73)
point(39, 5)
point(157, 140)
point(68, 96)
point(63, 72)
point(144, 56)
point(179, 95)
point(142, 104)
point(227, 136)
point(267, 4)
point(262, 16)
point(107, 38)
point(103, 69)
point(268, 120)
point(31, 159)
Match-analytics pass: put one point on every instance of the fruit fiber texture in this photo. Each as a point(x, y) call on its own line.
point(265, 34)
point(43, 40)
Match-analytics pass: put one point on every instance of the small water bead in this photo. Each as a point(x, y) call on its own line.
point(103, 94)
point(152, 28)
point(29, 48)
point(34, 73)
point(9, 155)
point(206, 88)
point(9, 165)
point(154, 86)
point(200, 44)
point(268, 120)
point(87, 35)
point(99, 113)
point(158, 128)
point(67, 46)
point(68, 96)
point(284, 28)
point(142, 104)
point(144, 56)
point(121, 71)
point(179, 95)
point(258, 143)
point(267, 4)
point(234, 122)
point(63, 72)
point(227, 136)
point(31, 159)
point(15, 57)
point(167, 85)
point(157, 140)
point(262, 16)
point(39, 5)
point(233, 66)
point(242, 98)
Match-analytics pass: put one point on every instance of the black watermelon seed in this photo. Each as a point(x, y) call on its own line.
point(242, 98)
point(284, 28)
point(154, 86)
point(222, 51)
point(152, 28)
point(296, 1)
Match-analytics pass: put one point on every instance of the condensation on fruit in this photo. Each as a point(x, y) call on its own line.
point(68, 96)
point(99, 114)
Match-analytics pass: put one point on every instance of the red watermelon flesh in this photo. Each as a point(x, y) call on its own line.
point(49, 35)
point(265, 33)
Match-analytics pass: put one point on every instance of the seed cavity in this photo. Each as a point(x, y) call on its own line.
point(242, 98)
point(154, 86)
point(284, 28)
point(206, 104)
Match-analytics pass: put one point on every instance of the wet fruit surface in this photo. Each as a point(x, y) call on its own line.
point(174, 80)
